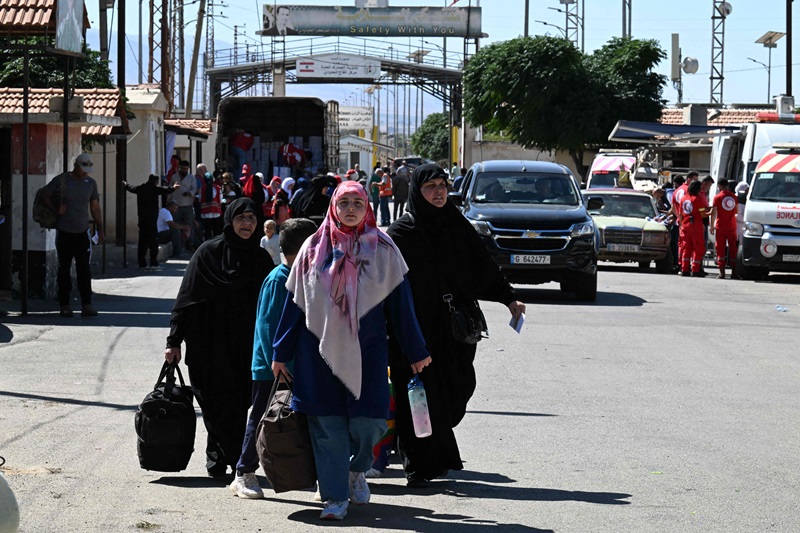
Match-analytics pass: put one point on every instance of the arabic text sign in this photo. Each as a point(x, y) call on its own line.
point(355, 118)
point(376, 22)
point(338, 66)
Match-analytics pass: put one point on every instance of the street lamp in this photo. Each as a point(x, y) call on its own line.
point(767, 68)
point(559, 28)
point(770, 41)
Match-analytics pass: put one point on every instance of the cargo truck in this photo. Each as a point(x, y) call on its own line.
point(277, 136)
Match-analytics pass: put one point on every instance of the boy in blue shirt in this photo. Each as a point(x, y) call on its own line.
point(293, 234)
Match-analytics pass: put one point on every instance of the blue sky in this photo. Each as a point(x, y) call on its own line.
point(745, 81)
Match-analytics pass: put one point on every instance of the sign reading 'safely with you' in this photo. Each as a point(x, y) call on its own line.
point(376, 22)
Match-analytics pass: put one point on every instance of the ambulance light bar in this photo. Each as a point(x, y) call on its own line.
point(783, 118)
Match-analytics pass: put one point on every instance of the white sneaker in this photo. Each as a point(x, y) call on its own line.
point(334, 510)
point(359, 490)
point(373, 473)
point(246, 486)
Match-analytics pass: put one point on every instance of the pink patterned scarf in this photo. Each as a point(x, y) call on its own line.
point(340, 274)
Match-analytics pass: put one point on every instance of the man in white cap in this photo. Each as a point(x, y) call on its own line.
point(73, 204)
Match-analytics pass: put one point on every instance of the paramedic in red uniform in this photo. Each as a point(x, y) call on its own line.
point(723, 226)
point(693, 208)
point(677, 211)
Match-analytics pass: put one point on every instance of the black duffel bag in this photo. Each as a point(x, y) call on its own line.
point(283, 442)
point(166, 423)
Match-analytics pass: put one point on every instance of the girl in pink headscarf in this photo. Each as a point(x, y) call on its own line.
point(347, 280)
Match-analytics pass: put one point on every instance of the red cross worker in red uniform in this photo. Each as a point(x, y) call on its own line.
point(723, 226)
point(694, 207)
point(677, 198)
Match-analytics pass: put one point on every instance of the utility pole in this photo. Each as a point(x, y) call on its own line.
point(201, 11)
point(527, 16)
point(122, 144)
point(103, 31)
point(141, 61)
point(789, 47)
point(627, 25)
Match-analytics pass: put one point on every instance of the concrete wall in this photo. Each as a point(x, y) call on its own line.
point(45, 161)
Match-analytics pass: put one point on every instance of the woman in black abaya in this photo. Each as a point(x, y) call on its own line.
point(444, 255)
point(214, 314)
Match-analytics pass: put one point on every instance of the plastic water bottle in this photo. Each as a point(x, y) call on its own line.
point(418, 401)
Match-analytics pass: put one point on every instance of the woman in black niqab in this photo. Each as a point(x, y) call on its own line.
point(444, 255)
point(214, 314)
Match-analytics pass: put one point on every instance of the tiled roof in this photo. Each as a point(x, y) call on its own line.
point(31, 17)
point(201, 125)
point(103, 102)
point(726, 117)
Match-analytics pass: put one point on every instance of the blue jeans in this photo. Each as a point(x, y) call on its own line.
point(248, 461)
point(385, 216)
point(342, 445)
point(375, 202)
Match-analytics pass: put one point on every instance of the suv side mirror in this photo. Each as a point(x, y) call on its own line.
point(742, 197)
point(455, 197)
point(595, 203)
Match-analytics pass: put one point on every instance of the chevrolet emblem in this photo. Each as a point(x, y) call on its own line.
point(530, 234)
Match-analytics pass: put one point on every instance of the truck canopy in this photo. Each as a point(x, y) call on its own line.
point(307, 124)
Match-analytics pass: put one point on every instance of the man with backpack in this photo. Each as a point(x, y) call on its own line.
point(73, 196)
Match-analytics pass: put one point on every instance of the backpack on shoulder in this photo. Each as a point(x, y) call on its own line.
point(41, 213)
point(165, 423)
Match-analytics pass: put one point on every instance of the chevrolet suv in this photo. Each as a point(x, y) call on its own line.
point(533, 220)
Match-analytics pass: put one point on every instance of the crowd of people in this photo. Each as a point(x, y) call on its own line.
point(685, 207)
point(337, 306)
point(193, 205)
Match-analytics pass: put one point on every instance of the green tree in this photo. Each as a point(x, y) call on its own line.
point(431, 140)
point(47, 70)
point(543, 92)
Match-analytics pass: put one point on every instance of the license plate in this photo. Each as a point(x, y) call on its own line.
point(530, 259)
point(623, 247)
point(791, 258)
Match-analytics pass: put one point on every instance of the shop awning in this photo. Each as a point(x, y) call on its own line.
point(656, 133)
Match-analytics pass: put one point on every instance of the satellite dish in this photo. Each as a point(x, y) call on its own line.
point(725, 9)
point(690, 65)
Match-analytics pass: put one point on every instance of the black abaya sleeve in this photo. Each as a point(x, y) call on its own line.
point(490, 282)
point(177, 328)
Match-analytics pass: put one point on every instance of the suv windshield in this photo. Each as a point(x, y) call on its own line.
point(624, 205)
point(524, 188)
point(776, 187)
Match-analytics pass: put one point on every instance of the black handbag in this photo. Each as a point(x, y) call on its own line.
point(165, 424)
point(283, 442)
point(467, 323)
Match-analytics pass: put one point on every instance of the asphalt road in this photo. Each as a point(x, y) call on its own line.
point(669, 405)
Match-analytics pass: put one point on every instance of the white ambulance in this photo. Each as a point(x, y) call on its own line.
point(606, 168)
point(771, 237)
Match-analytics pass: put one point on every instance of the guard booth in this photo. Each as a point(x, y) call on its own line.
point(45, 161)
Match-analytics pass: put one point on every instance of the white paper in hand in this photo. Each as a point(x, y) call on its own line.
point(516, 323)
